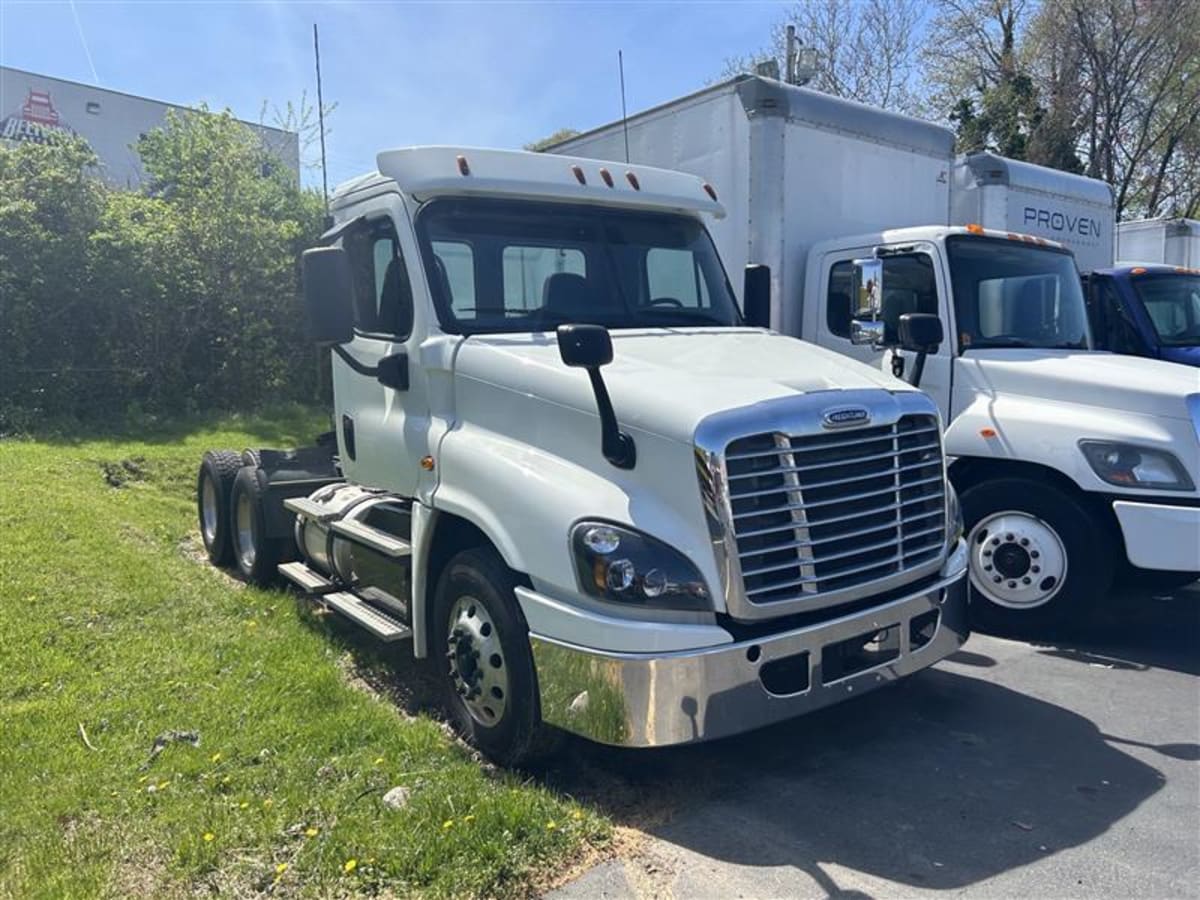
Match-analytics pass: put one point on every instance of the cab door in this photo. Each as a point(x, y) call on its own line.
point(382, 406)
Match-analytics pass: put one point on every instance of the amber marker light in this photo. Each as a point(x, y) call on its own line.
point(578, 173)
point(427, 463)
point(974, 228)
point(606, 177)
point(463, 167)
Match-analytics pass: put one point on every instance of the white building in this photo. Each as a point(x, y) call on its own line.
point(34, 107)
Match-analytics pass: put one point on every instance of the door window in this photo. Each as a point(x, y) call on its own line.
point(909, 286)
point(382, 293)
point(1116, 332)
point(673, 279)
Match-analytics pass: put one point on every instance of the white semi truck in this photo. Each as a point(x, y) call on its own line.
point(569, 473)
point(1072, 465)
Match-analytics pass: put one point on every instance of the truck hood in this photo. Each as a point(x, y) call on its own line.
point(665, 381)
point(1085, 377)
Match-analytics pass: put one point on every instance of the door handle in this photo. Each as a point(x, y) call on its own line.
point(392, 371)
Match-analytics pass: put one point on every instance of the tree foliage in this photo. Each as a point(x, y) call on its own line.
point(180, 297)
point(551, 139)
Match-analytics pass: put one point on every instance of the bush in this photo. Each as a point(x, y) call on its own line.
point(180, 298)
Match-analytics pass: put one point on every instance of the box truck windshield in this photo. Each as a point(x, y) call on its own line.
point(1008, 294)
point(1172, 301)
point(518, 266)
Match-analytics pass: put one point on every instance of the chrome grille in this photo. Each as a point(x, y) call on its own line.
point(829, 512)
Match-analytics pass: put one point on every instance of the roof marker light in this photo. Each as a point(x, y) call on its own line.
point(1138, 270)
point(974, 228)
point(710, 190)
point(463, 168)
point(607, 177)
point(987, 432)
point(1013, 236)
point(633, 181)
point(578, 173)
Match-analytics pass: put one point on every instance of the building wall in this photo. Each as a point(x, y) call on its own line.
point(32, 107)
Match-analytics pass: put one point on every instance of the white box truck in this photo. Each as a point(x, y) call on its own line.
point(567, 472)
point(1073, 465)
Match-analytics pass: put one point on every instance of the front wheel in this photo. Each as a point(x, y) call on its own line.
point(1037, 558)
point(486, 665)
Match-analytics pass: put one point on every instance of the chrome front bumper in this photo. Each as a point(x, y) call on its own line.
point(655, 699)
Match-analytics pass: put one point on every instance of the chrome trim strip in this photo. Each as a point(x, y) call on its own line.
point(800, 416)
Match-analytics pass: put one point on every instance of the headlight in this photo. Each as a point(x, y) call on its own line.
point(1127, 465)
point(625, 566)
point(954, 517)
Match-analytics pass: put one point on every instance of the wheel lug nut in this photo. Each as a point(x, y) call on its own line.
point(1027, 580)
point(1009, 536)
point(1036, 569)
point(987, 552)
point(995, 542)
point(1012, 584)
point(1024, 542)
point(997, 579)
point(1035, 554)
point(987, 568)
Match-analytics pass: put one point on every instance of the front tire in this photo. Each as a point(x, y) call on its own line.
point(1036, 557)
point(256, 555)
point(481, 642)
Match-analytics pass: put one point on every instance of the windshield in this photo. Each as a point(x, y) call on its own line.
point(1173, 303)
point(1009, 294)
point(520, 266)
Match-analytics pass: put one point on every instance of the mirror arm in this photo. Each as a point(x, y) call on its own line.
point(918, 368)
point(617, 446)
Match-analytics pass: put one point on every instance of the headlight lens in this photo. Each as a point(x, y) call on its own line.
point(954, 517)
point(626, 566)
point(1127, 465)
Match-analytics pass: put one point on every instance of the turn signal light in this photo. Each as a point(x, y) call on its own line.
point(974, 228)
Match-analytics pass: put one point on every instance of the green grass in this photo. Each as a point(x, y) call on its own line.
point(111, 623)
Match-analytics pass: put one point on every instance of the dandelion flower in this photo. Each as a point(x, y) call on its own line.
point(209, 837)
point(280, 868)
point(252, 624)
point(578, 814)
point(449, 823)
point(550, 826)
point(244, 804)
point(349, 866)
point(311, 831)
point(226, 780)
point(143, 779)
point(216, 757)
point(470, 818)
point(268, 803)
point(379, 760)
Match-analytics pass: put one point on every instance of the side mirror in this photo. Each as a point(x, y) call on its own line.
point(328, 295)
point(590, 347)
point(920, 332)
point(866, 333)
point(585, 346)
point(868, 288)
point(756, 296)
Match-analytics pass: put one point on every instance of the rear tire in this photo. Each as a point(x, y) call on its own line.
point(480, 642)
point(214, 485)
point(257, 556)
point(1036, 557)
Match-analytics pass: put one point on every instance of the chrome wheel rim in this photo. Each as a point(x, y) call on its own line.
point(1017, 560)
point(478, 669)
point(245, 533)
point(208, 510)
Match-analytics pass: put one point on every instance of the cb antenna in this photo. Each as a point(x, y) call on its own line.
point(321, 124)
point(624, 118)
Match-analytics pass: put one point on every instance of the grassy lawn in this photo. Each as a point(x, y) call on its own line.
point(112, 628)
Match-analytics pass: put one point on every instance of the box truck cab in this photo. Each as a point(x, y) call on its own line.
point(567, 472)
point(1088, 460)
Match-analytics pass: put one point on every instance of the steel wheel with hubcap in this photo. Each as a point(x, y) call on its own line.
point(1037, 556)
point(485, 660)
point(257, 555)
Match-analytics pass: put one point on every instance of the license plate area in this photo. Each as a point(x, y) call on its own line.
point(859, 653)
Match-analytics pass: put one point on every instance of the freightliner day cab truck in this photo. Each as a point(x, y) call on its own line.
point(566, 469)
point(1072, 465)
point(1148, 304)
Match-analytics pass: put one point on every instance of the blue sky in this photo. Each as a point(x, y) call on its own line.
point(491, 74)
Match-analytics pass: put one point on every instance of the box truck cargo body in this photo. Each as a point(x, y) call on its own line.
point(1172, 242)
point(1007, 195)
point(1072, 464)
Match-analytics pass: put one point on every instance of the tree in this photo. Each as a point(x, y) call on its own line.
point(865, 49)
point(550, 140)
point(303, 119)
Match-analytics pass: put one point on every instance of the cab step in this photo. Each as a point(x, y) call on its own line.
point(310, 509)
point(376, 621)
point(308, 580)
point(372, 538)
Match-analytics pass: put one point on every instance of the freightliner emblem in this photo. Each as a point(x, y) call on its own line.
point(844, 416)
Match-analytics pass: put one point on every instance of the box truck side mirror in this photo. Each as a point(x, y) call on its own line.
point(589, 347)
point(328, 295)
point(756, 296)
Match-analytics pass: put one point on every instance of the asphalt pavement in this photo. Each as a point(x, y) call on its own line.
point(1063, 768)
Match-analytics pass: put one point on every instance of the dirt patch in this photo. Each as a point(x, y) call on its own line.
point(192, 549)
point(120, 473)
point(625, 843)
